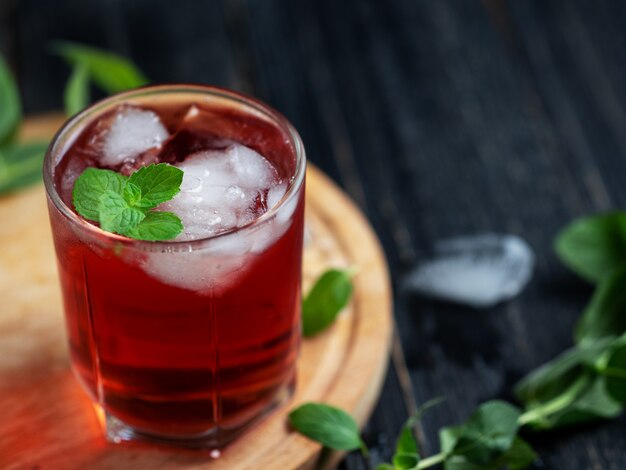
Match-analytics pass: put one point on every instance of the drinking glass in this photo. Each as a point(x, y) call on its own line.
point(184, 342)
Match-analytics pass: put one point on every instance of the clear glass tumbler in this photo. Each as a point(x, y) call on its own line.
point(184, 342)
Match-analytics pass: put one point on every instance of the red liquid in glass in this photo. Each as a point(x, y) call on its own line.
point(167, 360)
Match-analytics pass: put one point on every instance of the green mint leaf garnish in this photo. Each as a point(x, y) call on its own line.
point(20, 165)
point(157, 226)
point(111, 72)
point(76, 95)
point(593, 246)
point(132, 193)
point(328, 425)
point(116, 214)
point(10, 105)
point(157, 184)
point(326, 299)
point(90, 186)
point(605, 314)
point(122, 205)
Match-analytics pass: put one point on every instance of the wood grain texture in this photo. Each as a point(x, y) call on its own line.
point(48, 422)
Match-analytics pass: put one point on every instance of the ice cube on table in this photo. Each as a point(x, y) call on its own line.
point(479, 270)
point(132, 131)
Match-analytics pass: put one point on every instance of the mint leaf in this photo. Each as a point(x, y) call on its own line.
point(157, 182)
point(325, 300)
point(121, 206)
point(76, 95)
point(132, 193)
point(407, 453)
point(593, 403)
point(384, 466)
point(604, 316)
point(593, 246)
point(486, 435)
point(405, 461)
point(328, 425)
point(615, 373)
point(553, 378)
point(458, 462)
point(90, 186)
point(10, 106)
point(116, 215)
point(157, 226)
point(520, 455)
point(448, 437)
point(111, 72)
point(406, 441)
point(20, 165)
point(587, 399)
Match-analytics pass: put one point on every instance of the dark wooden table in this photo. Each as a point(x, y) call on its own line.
point(439, 118)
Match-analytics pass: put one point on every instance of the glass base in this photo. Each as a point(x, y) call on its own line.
point(214, 439)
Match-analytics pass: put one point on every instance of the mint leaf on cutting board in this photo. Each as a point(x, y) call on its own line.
point(325, 300)
point(328, 425)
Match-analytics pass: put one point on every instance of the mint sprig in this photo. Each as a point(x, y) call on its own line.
point(76, 94)
point(110, 72)
point(10, 105)
point(123, 204)
point(20, 164)
point(584, 384)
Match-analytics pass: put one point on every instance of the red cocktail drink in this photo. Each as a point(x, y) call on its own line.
point(188, 340)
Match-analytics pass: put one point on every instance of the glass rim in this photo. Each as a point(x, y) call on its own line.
point(84, 117)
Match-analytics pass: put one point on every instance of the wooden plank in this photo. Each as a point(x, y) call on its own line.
point(580, 89)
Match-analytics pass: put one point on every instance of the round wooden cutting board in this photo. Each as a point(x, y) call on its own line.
point(47, 421)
